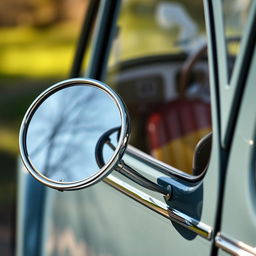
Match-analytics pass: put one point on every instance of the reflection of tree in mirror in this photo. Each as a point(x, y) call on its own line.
point(62, 145)
point(68, 122)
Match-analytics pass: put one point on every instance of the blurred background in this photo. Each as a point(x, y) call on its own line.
point(37, 45)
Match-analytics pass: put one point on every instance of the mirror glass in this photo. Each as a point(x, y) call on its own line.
point(63, 132)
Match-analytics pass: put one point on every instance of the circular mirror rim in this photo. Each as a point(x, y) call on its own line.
point(102, 172)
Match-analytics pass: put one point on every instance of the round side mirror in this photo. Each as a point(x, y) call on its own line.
point(62, 128)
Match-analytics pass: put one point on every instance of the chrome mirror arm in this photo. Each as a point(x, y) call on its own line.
point(126, 170)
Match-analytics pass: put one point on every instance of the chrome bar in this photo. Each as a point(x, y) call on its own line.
point(234, 247)
point(161, 166)
point(159, 207)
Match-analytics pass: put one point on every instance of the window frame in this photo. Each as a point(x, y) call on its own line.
point(158, 164)
point(108, 14)
point(230, 90)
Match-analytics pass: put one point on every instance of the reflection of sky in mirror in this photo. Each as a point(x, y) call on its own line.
point(113, 139)
point(64, 130)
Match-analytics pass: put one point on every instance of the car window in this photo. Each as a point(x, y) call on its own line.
point(158, 64)
point(235, 14)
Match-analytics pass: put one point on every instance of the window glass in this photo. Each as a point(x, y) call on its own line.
point(235, 14)
point(158, 64)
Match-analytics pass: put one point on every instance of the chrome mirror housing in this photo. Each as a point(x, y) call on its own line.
point(63, 128)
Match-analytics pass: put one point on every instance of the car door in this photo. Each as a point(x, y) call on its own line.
point(118, 216)
point(237, 220)
point(102, 221)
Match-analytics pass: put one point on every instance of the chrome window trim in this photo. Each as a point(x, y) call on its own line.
point(234, 247)
point(161, 166)
point(159, 207)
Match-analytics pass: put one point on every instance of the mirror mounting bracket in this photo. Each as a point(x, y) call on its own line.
point(126, 170)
